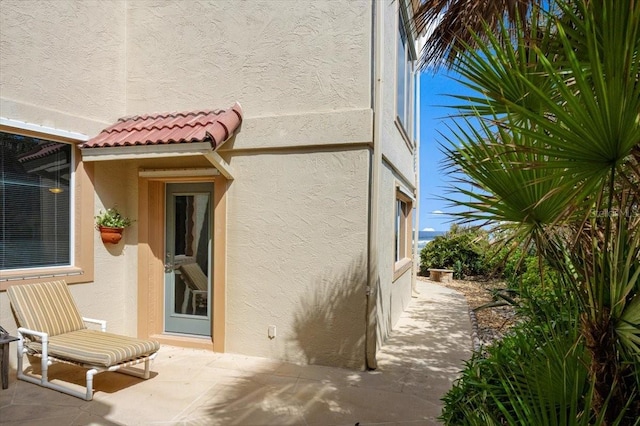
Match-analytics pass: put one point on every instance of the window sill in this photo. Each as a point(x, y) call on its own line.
point(71, 275)
point(401, 266)
point(404, 135)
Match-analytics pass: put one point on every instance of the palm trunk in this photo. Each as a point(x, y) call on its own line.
point(608, 374)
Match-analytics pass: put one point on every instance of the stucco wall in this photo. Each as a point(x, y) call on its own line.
point(397, 169)
point(297, 209)
point(116, 265)
point(62, 63)
point(277, 57)
point(296, 256)
point(395, 148)
point(392, 296)
point(52, 74)
point(297, 217)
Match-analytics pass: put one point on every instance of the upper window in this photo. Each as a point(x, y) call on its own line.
point(35, 202)
point(402, 228)
point(405, 86)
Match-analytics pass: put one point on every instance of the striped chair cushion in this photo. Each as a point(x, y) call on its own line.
point(97, 348)
point(46, 307)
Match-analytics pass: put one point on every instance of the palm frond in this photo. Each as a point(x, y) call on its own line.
point(451, 25)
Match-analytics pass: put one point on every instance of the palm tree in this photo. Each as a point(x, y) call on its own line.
point(552, 140)
point(452, 25)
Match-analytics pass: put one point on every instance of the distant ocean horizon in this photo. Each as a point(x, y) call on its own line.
point(425, 236)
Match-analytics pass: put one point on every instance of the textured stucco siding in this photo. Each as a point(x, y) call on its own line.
point(296, 256)
point(392, 296)
point(394, 147)
point(62, 63)
point(274, 57)
point(116, 266)
point(297, 209)
point(304, 130)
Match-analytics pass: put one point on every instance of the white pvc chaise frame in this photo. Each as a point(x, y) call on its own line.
point(46, 361)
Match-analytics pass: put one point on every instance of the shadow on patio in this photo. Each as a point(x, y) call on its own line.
point(416, 367)
point(195, 387)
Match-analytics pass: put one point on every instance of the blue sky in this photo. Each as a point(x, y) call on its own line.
point(433, 121)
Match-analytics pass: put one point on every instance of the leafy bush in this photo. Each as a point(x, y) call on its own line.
point(552, 96)
point(537, 375)
point(461, 249)
point(521, 268)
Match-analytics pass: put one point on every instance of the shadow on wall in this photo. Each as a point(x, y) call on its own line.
point(329, 325)
point(383, 313)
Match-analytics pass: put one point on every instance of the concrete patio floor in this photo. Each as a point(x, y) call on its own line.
point(195, 387)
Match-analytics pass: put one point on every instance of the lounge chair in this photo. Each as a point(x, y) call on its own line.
point(197, 284)
point(50, 327)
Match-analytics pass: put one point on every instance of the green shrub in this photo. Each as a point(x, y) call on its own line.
point(520, 268)
point(461, 249)
point(528, 270)
point(536, 375)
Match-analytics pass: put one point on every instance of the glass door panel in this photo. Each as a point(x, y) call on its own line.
point(187, 304)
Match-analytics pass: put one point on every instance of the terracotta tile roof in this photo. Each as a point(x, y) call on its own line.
point(214, 126)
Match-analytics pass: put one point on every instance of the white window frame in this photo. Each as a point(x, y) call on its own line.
point(403, 222)
point(405, 64)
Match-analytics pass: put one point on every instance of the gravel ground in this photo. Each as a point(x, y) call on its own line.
point(492, 322)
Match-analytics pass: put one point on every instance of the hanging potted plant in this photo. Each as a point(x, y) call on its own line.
point(111, 224)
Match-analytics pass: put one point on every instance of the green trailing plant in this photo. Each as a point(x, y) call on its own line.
point(112, 218)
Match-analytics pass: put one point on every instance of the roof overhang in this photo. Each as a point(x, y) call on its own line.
point(143, 152)
point(170, 135)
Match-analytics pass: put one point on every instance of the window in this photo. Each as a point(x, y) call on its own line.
point(405, 76)
point(403, 234)
point(35, 182)
point(43, 231)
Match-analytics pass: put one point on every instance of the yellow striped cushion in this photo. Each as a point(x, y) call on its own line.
point(46, 307)
point(97, 348)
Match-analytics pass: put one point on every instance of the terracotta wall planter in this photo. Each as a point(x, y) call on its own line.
point(110, 235)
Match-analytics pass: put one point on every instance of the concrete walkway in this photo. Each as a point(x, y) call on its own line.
point(195, 387)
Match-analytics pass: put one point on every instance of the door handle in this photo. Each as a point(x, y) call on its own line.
point(169, 266)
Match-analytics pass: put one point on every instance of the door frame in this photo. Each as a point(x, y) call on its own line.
point(182, 319)
point(151, 218)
